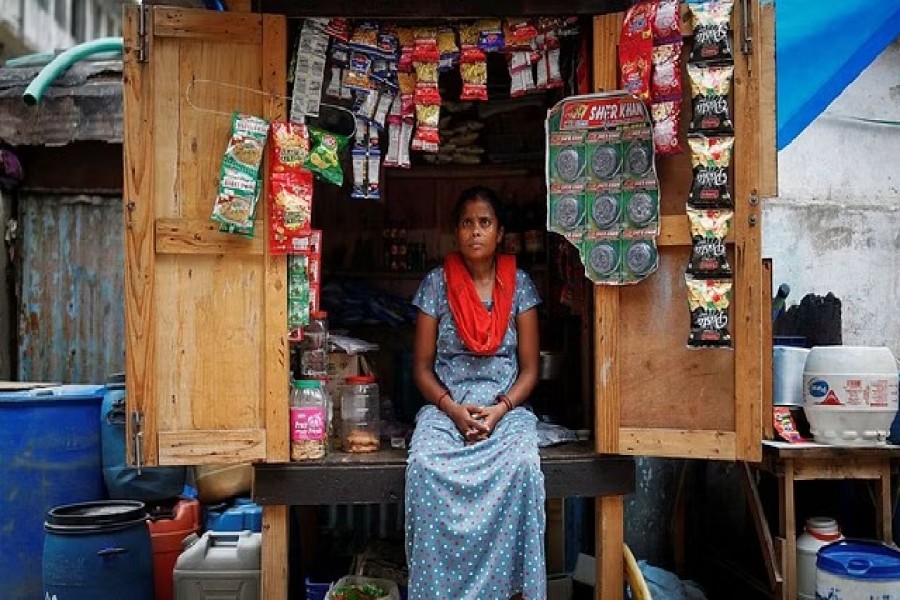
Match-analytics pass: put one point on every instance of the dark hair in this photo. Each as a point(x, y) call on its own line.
point(485, 194)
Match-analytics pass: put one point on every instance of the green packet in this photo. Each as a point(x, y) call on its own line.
point(324, 155)
point(247, 144)
point(236, 202)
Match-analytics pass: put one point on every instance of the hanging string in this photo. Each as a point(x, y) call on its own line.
point(269, 95)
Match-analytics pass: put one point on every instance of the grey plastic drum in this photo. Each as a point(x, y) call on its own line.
point(605, 211)
point(641, 208)
point(603, 259)
point(568, 212)
point(639, 157)
point(640, 258)
point(605, 161)
point(568, 164)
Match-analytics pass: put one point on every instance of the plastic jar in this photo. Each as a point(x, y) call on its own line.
point(361, 415)
point(309, 420)
point(819, 532)
point(314, 346)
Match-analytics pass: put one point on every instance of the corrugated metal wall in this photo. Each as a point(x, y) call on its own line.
point(71, 300)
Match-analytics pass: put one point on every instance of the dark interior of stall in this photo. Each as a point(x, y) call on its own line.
point(376, 252)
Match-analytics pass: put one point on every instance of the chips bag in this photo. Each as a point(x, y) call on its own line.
point(324, 156)
point(708, 300)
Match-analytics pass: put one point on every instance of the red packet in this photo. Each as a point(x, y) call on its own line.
point(636, 49)
point(785, 426)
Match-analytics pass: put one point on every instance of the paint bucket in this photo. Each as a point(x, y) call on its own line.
point(98, 550)
point(50, 449)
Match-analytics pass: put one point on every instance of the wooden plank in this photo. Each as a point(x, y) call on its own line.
point(788, 529)
point(883, 503)
point(213, 446)
point(745, 311)
point(240, 5)
point(768, 142)
point(230, 27)
point(202, 236)
point(664, 383)
point(437, 9)
point(677, 443)
point(809, 469)
point(606, 298)
point(674, 230)
point(276, 375)
point(140, 135)
point(275, 559)
point(610, 544)
point(380, 477)
point(761, 524)
point(767, 428)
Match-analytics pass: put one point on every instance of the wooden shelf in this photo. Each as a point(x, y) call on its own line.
point(342, 478)
point(464, 171)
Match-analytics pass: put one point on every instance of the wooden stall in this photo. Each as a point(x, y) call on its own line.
point(207, 349)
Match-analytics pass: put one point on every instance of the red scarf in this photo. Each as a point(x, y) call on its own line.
point(481, 330)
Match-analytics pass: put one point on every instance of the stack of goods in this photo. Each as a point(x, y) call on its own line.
point(603, 189)
point(710, 206)
point(389, 76)
point(460, 137)
point(304, 282)
point(650, 61)
point(239, 179)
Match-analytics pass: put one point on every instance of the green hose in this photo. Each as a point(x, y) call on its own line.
point(58, 65)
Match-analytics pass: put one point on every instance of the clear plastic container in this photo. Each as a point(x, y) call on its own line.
point(309, 420)
point(314, 346)
point(360, 415)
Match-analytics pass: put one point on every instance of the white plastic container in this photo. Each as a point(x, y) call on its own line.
point(850, 394)
point(819, 532)
point(219, 566)
point(858, 570)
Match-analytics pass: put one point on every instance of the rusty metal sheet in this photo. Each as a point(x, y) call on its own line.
point(71, 308)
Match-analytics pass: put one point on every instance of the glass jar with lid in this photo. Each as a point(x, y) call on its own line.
point(309, 420)
point(360, 415)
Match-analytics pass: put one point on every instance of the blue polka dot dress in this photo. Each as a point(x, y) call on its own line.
point(474, 514)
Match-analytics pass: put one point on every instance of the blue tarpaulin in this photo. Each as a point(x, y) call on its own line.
point(821, 47)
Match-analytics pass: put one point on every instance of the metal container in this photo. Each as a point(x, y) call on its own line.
point(787, 375)
point(551, 365)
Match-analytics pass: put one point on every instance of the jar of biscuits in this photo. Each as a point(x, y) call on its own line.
point(309, 420)
point(360, 415)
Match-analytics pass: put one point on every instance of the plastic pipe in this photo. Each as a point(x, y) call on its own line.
point(58, 65)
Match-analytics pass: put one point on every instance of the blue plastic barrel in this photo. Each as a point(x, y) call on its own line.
point(153, 483)
point(98, 550)
point(49, 455)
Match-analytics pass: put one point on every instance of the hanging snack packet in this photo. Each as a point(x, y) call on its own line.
point(360, 163)
point(449, 51)
point(712, 38)
point(298, 293)
point(392, 158)
point(365, 38)
point(711, 157)
point(290, 147)
point(407, 40)
point(339, 29)
point(666, 122)
point(388, 43)
point(309, 71)
point(708, 300)
point(666, 74)
point(290, 210)
point(236, 201)
point(636, 49)
point(666, 26)
point(357, 76)
point(551, 59)
point(473, 69)
point(428, 115)
point(244, 153)
point(709, 89)
point(373, 171)
point(519, 33)
point(324, 159)
point(490, 37)
point(709, 227)
point(406, 134)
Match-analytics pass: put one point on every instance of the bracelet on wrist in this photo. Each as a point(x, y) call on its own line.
point(504, 399)
point(440, 400)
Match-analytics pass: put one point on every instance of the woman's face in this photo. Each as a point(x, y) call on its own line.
point(478, 232)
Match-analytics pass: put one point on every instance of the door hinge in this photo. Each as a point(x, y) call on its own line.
point(143, 53)
point(137, 439)
point(747, 27)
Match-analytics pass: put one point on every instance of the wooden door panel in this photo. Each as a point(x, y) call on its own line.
point(212, 331)
point(654, 395)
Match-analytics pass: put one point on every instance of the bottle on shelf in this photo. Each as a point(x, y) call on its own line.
point(309, 420)
point(314, 346)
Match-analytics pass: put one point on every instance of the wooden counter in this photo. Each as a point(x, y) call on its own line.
point(569, 470)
